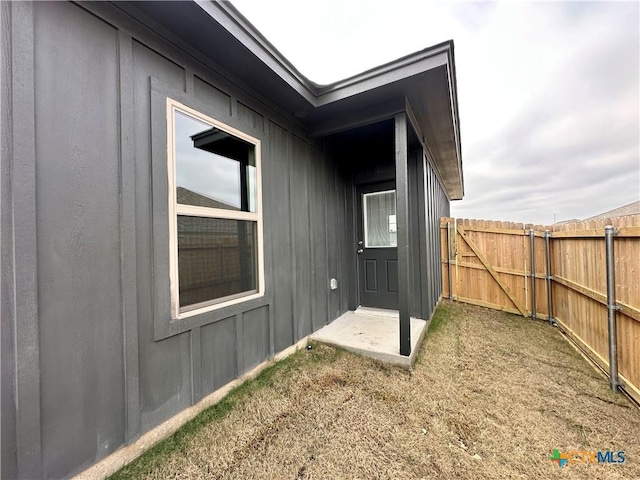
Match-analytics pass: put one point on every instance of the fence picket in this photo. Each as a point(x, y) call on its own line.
point(491, 260)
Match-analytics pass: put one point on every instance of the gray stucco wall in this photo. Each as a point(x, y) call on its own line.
point(84, 224)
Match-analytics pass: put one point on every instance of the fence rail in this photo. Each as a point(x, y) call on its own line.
point(556, 273)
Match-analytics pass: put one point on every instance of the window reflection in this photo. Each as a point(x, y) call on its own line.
point(217, 259)
point(213, 168)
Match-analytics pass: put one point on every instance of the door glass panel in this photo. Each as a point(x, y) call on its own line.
point(380, 219)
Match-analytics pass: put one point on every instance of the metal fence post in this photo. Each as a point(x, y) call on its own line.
point(533, 273)
point(609, 232)
point(547, 251)
point(449, 258)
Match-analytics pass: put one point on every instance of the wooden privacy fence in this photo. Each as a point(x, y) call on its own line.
point(557, 273)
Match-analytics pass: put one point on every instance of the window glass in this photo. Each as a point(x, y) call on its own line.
point(216, 225)
point(380, 219)
point(216, 259)
point(214, 169)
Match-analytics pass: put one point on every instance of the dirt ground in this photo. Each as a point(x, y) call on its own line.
point(491, 396)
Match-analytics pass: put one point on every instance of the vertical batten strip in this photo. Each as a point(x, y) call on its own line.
point(128, 263)
point(196, 364)
point(8, 467)
point(239, 335)
point(28, 414)
point(271, 326)
point(426, 257)
point(292, 236)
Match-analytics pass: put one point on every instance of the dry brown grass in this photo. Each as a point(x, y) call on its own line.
point(505, 389)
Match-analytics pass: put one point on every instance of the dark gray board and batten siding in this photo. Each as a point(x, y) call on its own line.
point(84, 236)
point(369, 159)
point(95, 377)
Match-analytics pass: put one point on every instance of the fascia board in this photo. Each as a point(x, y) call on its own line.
point(317, 95)
point(405, 67)
point(453, 92)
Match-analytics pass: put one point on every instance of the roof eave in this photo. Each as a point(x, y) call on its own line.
point(241, 28)
point(319, 95)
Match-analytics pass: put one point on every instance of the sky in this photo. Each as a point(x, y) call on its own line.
point(200, 171)
point(548, 92)
point(205, 173)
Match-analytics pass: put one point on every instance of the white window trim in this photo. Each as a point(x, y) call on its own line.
point(364, 215)
point(176, 209)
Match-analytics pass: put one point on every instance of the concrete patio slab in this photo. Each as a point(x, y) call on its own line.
point(373, 333)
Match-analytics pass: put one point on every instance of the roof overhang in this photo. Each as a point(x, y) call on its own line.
point(423, 83)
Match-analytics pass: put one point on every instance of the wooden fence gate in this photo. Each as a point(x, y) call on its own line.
point(505, 266)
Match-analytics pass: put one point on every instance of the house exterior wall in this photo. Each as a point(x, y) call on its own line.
point(82, 221)
point(436, 206)
point(370, 160)
point(84, 232)
point(7, 288)
point(427, 202)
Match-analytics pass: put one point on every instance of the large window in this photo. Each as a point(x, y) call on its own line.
point(215, 213)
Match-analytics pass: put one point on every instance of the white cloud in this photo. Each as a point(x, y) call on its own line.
point(548, 92)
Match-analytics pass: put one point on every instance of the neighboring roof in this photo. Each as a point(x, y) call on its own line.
point(189, 197)
point(571, 220)
point(632, 208)
point(424, 83)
